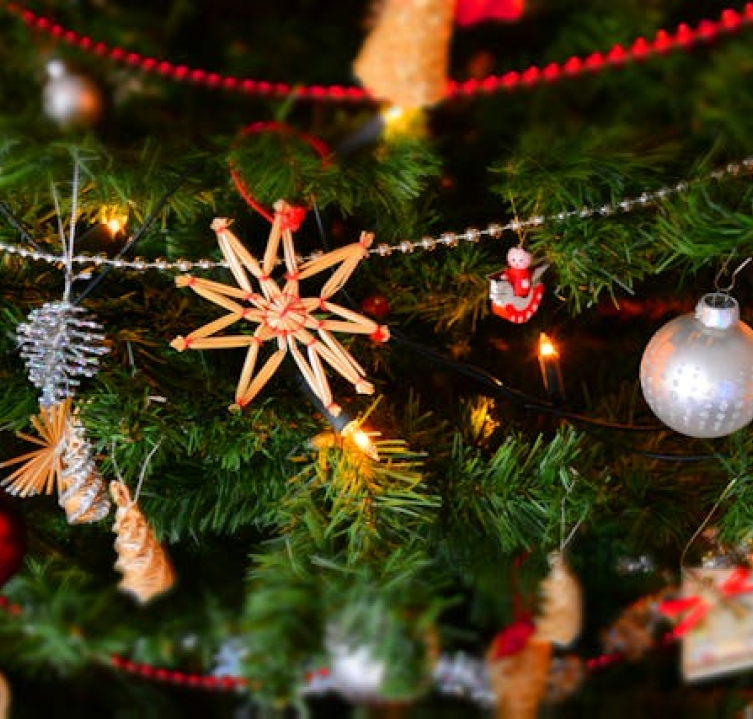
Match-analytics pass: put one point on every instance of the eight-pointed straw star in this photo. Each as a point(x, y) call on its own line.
point(297, 324)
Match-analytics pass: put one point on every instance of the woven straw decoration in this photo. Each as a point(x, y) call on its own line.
point(519, 680)
point(142, 561)
point(63, 460)
point(404, 59)
point(561, 613)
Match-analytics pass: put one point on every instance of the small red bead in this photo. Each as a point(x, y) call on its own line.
point(616, 54)
point(509, 79)
point(730, 18)
point(573, 65)
point(594, 61)
point(530, 75)
point(663, 40)
point(684, 34)
point(551, 72)
point(707, 29)
point(640, 47)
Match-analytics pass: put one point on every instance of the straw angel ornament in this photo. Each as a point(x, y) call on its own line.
point(144, 564)
point(303, 327)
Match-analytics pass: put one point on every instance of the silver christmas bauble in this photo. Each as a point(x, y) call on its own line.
point(71, 100)
point(697, 370)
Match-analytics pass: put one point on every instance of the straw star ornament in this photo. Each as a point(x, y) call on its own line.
point(301, 326)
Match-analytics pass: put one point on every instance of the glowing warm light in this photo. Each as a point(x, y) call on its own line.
point(113, 218)
point(403, 121)
point(115, 226)
point(361, 439)
point(551, 374)
point(547, 347)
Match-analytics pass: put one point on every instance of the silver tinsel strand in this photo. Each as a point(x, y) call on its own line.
point(59, 344)
point(82, 492)
point(459, 675)
point(464, 676)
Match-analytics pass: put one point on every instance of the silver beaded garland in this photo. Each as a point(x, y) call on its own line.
point(59, 344)
point(697, 371)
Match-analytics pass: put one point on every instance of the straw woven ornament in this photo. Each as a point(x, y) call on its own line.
point(142, 561)
point(404, 59)
point(301, 326)
point(4, 697)
point(519, 680)
point(561, 613)
point(63, 461)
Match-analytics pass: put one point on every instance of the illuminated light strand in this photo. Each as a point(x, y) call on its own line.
point(446, 239)
point(683, 37)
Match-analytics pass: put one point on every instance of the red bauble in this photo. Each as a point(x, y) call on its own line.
point(12, 540)
point(376, 306)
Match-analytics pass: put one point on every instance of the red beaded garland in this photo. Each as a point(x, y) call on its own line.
point(683, 37)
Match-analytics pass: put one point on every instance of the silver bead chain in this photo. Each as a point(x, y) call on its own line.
point(447, 239)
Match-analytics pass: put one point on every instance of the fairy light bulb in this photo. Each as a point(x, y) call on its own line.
point(551, 374)
point(546, 347)
point(115, 226)
point(403, 122)
point(360, 439)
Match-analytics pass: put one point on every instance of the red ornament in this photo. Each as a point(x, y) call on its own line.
point(376, 306)
point(513, 639)
point(12, 540)
point(469, 12)
point(516, 291)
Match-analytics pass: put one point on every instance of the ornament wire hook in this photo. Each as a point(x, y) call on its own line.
point(564, 541)
point(725, 493)
point(733, 277)
point(142, 475)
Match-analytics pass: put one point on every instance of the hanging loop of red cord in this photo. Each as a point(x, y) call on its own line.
point(294, 215)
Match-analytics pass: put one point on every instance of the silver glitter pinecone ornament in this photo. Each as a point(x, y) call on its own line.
point(70, 99)
point(59, 344)
point(697, 370)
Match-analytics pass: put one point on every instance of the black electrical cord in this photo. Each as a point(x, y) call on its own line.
point(496, 388)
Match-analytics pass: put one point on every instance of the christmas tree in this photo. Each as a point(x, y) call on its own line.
point(384, 360)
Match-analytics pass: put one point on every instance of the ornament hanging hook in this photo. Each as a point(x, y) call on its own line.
point(733, 276)
point(723, 496)
point(144, 468)
point(565, 540)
